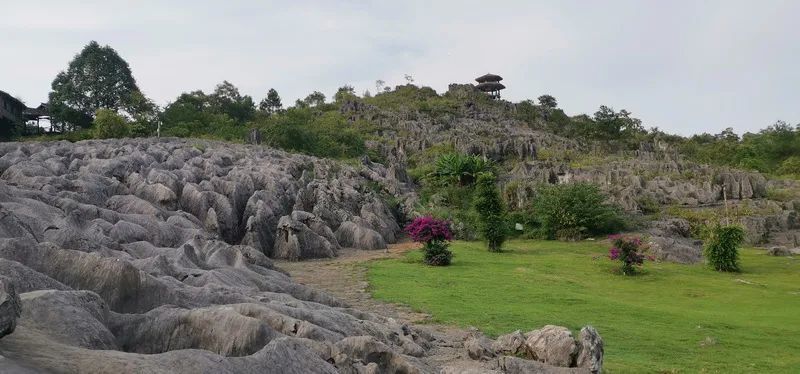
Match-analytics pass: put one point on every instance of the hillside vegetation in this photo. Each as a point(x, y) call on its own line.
point(647, 173)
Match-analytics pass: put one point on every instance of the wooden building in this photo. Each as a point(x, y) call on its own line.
point(17, 119)
point(490, 83)
point(12, 117)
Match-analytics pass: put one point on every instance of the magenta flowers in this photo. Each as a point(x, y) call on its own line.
point(425, 229)
point(435, 234)
point(628, 250)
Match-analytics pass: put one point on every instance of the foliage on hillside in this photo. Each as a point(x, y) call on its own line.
point(320, 127)
point(774, 150)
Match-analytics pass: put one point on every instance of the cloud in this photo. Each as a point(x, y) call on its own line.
point(682, 66)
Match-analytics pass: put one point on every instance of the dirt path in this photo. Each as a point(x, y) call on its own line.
point(346, 278)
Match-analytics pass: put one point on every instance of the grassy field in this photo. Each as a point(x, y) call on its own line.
point(672, 319)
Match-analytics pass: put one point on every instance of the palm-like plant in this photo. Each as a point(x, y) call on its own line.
point(460, 168)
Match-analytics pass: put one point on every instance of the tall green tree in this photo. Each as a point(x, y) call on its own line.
point(491, 211)
point(272, 103)
point(226, 99)
point(344, 93)
point(316, 98)
point(613, 125)
point(548, 101)
point(97, 78)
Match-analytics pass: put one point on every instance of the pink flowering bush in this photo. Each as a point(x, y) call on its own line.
point(435, 234)
point(629, 250)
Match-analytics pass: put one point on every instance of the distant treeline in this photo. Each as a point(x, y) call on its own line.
point(97, 96)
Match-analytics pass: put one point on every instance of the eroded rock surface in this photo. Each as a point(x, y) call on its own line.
point(155, 255)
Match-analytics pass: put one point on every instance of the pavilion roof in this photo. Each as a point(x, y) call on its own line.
point(488, 77)
point(490, 86)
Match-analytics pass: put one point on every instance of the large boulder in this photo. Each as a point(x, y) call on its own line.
point(10, 307)
point(366, 351)
point(511, 344)
point(352, 235)
point(552, 345)
point(670, 240)
point(516, 365)
point(591, 350)
point(296, 241)
point(479, 347)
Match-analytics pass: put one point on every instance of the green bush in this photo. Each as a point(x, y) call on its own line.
point(326, 134)
point(574, 211)
point(491, 212)
point(648, 205)
point(108, 124)
point(722, 247)
point(463, 222)
point(437, 254)
point(459, 168)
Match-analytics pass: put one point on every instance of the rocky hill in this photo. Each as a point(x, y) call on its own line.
point(655, 178)
point(153, 255)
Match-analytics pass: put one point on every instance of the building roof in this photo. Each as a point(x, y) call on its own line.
point(490, 86)
point(43, 110)
point(7, 97)
point(489, 77)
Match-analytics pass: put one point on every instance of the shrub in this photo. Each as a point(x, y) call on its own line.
point(109, 124)
point(491, 212)
point(436, 235)
point(463, 222)
point(459, 168)
point(573, 211)
point(721, 248)
point(629, 251)
point(648, 205)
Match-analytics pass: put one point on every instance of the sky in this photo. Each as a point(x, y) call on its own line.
point(682, 66)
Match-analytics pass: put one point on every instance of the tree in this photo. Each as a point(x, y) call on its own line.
point(143, 113)
point(97, 78)
point(194, 114)
point(491, 212)
point(548, 101)
point(379, 85)
point(316, 98)
point(109, 124)
point(272, 103)
point(611, 125)
point(344, 93)
point(226, 99)
point(409, 78)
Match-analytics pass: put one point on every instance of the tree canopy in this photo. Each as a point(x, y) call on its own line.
point(97, 78)
point(548, 101)
point(272, 103)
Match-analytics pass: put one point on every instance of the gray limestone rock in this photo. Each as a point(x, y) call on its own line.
point(10, 306)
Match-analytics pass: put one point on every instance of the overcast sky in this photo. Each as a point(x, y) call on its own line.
point(685, 67)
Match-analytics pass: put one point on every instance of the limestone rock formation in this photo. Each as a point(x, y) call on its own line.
point(9, 307)
point(550, 349)
point(591, 350)
point(553, 345)
point(511, 344)
point(479, 347)
point(154, 254)
point(670, 240)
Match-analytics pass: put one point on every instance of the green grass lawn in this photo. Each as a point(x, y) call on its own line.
point(673, 318)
